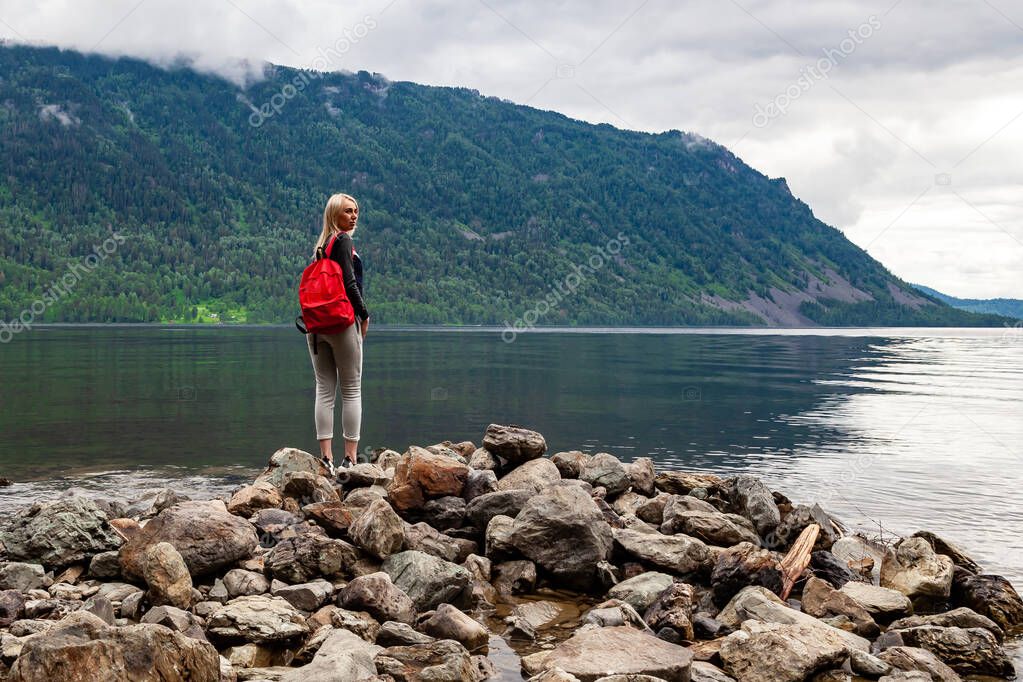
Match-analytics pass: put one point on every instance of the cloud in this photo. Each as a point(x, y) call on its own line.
point(931, 94)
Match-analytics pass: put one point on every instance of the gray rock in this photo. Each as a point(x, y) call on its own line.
point(756, 502)
point(961, 617)
point(259, 619)
point(58, 534)
point(798, 519)
point(594, 653)
point(481, 509)
point(100, 607)
point(286, 461)
point(442, 660)
point(821, 600)
point(105, 566)
point(240, 582)
point(343, 656)
point(712, 527)
point(12, 605)
point(393, 633)
point(535, 475)
point(914, 658)
point(16, 575)
point(528, 617)
point(968, 651)
point(673, 609)
point(680, 554)
point(378, 530)
point(707, 672)
point(515, 577)
point(780, 653)
point(562, 530)
point(867, 664)
point(310, 556)
point(759, 604)
point(498, 538)
point(425, 538)
point(444, 512)
point(427, 580)
point(989, 595)
point(447, 622)
point(379, 596)
point(880, 602)
point(570, 463)
point(605, 470)
point(479, 482)
point(514, 443)
point(642, 590)
point(952, 551)
point(206, 536)
point(252, 498)
point(167, 576)
point(482, 459)
point(306, 596)
point(133, 653)
point(641, 475)
point(916, 571)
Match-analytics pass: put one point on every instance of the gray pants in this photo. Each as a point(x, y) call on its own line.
point(339, 355)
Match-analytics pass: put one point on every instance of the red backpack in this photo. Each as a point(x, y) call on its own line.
point(321, 294)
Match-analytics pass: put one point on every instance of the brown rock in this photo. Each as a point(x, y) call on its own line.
point(821, 600)
point(740, 566)
point(166, 573)
point(252, 498)
point(514, 443)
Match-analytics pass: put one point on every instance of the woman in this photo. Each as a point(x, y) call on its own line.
point(340, 355)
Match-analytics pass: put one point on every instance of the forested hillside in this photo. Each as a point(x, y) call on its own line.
point(200, 201)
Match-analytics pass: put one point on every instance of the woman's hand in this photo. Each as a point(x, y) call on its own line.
point(365, 327)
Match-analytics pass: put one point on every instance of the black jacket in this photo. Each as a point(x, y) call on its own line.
point(351, 270)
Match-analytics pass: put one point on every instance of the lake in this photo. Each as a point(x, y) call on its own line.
point(893, 430)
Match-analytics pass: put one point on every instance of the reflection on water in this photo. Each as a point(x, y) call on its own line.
point(894, 430)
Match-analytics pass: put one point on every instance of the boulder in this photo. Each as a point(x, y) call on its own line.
point(442, 660)
point(740, 566)
point(821, 600)
point(252, 498)
point(605, 470)
point(447, 622)
point(528, 617)
point(673, 608)
point(952, 551)
point(859, 555)
point(82, 646)
point(167, 576)
point(342, 655)
point(481, 509)
point(591, 654)
point(258, 618)
point(780, 653)
point(968, 651)
point(427, 580)
point(482, 459)
point(641, 475)
point(363, 474)
point(17, 575)
point(570, 463)
point(989, 595)
point(393, 633)
point(379, 530)
point(712, 527)
point(497, 538)
point(514, 443)
point(827, 566)
point(798, 518)
point(306, 596)
point(310, 556)
point(642, 590)
point(206, 536)
point(535, 476)
point(916, 571)
point(287, 461)
point(756, 503)
point(307, 488)
point(759, 604)
point(12, 605)
point(914, 658)
point(240, 582)
point(881, 603)
point(444, 512)
point(379, 596)
point(333, 516)
point(562, 530)
point(685, 482)
point(58, 534)
point(479, 482)
point(420, 474)
point(425, 538)
point(707, 672)
point(680, 554)
point(961, 617)
point(105, 566)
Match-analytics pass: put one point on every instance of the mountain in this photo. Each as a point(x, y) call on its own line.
point(130, 192)
point(1010, 307)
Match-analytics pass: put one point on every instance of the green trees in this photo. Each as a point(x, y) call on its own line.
point(472, 209)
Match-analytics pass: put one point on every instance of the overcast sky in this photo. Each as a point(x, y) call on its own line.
point(900, 123)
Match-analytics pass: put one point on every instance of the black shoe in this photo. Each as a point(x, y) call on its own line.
point(330, 466)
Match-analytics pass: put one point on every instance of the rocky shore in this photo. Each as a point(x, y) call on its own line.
point(420, 566)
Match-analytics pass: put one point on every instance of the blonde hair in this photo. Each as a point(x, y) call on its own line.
point(335, 204)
